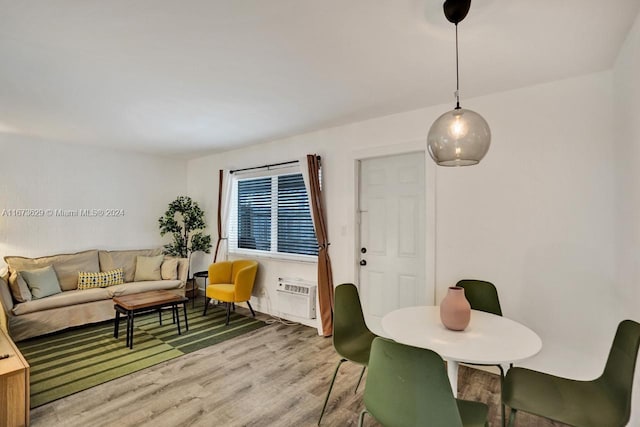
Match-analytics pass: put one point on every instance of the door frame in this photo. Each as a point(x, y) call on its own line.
point(412, 146)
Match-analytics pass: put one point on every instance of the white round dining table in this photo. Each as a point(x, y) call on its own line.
point(488, 339)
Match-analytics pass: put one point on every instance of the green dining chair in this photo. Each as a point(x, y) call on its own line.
point(483, 296)
point(408, 386)
point(351, 337)
point(605, 401)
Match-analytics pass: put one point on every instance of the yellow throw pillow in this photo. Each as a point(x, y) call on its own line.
point(88, 280)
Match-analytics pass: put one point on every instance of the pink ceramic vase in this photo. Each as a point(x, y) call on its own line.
point(455, 311)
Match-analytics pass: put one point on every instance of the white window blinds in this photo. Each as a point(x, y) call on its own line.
point(271, 214)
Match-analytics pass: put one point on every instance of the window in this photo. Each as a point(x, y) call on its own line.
point(271, 214)
point(254, 214)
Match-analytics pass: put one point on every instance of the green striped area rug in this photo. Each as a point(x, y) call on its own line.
point(76, 359)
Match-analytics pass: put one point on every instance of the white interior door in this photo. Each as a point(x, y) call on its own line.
point(392, 235)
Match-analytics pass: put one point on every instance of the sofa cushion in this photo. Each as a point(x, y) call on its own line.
point(42, 282)
point(19, 288)
point(6, 299)
point(62, 299)
point(169, 269)
point(100, 280)
point(110, 260)
point(137, 287)
point(66, 266)
point(148, 268)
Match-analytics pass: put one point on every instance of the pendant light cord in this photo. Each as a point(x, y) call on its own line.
point(457, 74)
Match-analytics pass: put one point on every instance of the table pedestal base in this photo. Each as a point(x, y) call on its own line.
point(452, 372)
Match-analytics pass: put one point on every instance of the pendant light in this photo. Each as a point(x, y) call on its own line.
point(459, 137)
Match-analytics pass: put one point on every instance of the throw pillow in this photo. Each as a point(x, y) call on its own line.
point(110, 260)
point(169, 269)
point(19, 288)
point(42, 282)
point(148, 268)
point(66, 266)
point(89, 280)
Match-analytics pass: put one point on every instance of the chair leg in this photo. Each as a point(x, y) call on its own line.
point(364, 368)
point(233, 305)
point(512, 417)
point(504, 420)
point(333, 380)
point(253, 313)
point(504, 417)
point(228, 313)
point(206, 304)
point(361, 420)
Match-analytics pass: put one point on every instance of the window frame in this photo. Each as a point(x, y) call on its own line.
point(233, 216)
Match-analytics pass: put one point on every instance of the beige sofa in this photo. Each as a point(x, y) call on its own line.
point(74, 307)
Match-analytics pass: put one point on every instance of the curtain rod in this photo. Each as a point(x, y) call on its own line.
point(268, 166)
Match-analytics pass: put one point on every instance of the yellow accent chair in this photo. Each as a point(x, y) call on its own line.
point(231, 282)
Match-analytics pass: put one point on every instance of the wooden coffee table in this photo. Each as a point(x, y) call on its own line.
point(144, 302)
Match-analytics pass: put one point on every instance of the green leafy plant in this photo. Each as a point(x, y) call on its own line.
point(182, 220)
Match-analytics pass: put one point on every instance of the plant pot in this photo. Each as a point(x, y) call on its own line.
point(455, 311)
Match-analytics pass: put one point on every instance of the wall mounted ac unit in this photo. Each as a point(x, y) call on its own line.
point(297, 297)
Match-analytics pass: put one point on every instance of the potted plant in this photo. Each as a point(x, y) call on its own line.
point(183, 220)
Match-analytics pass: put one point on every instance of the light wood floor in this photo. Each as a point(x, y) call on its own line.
point(275, 376)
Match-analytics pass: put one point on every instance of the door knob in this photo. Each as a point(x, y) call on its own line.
point(363, 262)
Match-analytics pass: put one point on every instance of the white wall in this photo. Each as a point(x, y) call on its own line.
point(627, 197)
point(535, 217)
point(627, 149)
point(203, 188)
point(44, 175)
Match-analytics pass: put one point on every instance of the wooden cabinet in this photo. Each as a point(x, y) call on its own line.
point(14, 385)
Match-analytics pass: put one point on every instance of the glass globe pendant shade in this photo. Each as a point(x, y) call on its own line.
point(459, 137)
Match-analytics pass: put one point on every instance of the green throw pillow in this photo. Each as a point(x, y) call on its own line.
point(42, 282)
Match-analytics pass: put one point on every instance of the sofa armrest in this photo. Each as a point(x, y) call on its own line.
point(183, 269)
point(6, 304)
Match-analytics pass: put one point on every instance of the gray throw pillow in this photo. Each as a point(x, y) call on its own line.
point(42, 282)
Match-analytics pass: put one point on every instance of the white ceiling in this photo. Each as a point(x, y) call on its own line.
point(185, 77)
